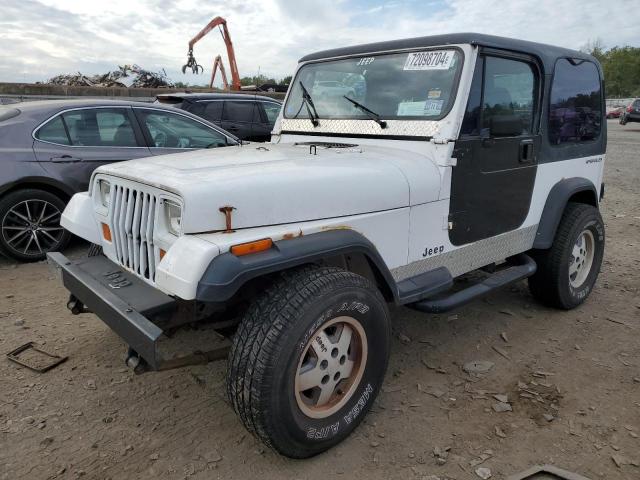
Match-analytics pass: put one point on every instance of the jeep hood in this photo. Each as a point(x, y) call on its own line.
point(281, 183)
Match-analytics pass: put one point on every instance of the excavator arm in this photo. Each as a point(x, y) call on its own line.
point(196, 68)
point(218, 63)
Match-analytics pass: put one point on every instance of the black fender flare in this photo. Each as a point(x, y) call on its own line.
point(227, 273)
point(554, 207)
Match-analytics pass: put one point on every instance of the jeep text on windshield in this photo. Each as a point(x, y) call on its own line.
point(417, 85)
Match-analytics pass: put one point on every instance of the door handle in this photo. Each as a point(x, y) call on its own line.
point(526, 150)
point(65, 159)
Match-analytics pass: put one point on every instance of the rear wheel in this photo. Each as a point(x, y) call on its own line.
point(308, 359)
point(30, 224)
point(569, 269)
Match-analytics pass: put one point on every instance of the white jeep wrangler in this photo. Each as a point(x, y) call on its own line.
point(452, 153)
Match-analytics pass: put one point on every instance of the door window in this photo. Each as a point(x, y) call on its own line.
point(213, 111)
point(272, 110)
point(576, 102)
point(170, 130)
point(100, 127)
point(240, 111)
point(502, 98)
point(508, 93)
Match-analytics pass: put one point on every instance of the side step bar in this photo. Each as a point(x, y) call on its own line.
point(523, 266)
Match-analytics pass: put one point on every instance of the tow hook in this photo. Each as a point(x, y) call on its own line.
point(75, 306)
point(135, 362)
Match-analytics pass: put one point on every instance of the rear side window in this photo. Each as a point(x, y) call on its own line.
point(576, 102)
point(7, 113)
point(213, 111)
point(240, 111)
point(100, 128)
point(54, 132)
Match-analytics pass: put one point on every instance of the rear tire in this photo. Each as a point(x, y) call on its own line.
point(569, 269)
point(308, 359)
point(30, 224)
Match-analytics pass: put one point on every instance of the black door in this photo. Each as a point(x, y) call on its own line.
point(237, 116)
point(267, 114)
point(492, 183)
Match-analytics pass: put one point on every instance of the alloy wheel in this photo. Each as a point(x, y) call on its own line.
point(581, 259)
point(331, 367)
point(32, 227)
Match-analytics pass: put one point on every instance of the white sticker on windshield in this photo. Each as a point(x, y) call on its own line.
point(433, 107)
point(433, 60)
point(411, 109)
point(428, 108)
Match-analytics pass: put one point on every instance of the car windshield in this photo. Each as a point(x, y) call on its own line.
point(414, 85)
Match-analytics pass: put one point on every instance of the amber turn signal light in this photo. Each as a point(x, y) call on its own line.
point(106, 232)
point(252, 247)
point(162, 253)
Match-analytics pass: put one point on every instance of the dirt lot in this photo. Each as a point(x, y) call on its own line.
point(572, 379)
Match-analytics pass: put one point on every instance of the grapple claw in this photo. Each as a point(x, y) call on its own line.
point(192, 64)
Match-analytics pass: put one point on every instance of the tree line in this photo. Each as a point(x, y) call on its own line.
point(621, 66)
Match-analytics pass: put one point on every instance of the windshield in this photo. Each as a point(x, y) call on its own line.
point(416, 85)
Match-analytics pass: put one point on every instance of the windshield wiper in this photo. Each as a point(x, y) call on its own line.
point(371, 114)
point(308, 102)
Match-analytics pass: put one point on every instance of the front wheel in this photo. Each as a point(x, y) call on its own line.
point(569, 269)
point(308, 359)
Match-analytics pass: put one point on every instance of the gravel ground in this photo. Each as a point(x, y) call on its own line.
point(572, 380)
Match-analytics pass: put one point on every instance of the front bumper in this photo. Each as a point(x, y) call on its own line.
point(121, 300)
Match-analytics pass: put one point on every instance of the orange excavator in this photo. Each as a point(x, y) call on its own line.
point(196, 68)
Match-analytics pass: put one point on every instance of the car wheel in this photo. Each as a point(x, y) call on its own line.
point(308, 359)
point(30, 224)
point(569, 269)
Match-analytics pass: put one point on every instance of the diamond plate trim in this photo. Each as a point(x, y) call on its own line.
point(414, 128)
point(478, 254)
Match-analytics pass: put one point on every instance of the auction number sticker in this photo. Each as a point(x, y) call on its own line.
point(433, 60)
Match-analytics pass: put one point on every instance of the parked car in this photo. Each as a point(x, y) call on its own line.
point(631, 113)
point(49, 149)
point(615, 111)
point(248, 117)
point(450, 164)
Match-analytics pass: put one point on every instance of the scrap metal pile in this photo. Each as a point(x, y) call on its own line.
point(126, 76)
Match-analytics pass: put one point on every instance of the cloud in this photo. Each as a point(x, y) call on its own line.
point(40, 39)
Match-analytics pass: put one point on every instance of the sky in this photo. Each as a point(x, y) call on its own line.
point(43, 38)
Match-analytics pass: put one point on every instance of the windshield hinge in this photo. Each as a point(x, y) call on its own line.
point(440, 141)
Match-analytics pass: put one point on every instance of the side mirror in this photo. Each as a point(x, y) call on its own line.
point(505, 126)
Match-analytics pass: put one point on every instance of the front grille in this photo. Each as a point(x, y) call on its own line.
point(132, 222)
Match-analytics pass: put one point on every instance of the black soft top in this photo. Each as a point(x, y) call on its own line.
point(547, 54)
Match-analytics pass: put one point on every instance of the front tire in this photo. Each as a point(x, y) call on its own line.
point(30, 224)
point(569, 269)
point(308, 359)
